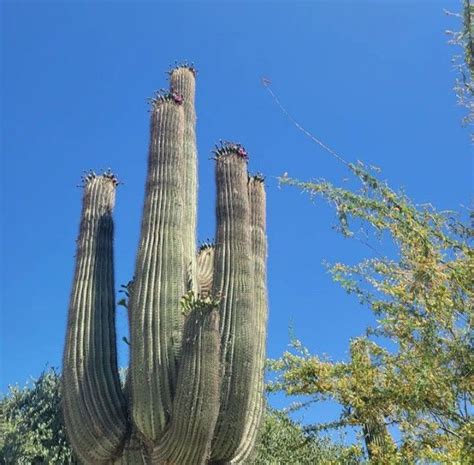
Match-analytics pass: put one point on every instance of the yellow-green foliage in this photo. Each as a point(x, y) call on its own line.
point(464, 63)
point(282, 441)
point(422, 384)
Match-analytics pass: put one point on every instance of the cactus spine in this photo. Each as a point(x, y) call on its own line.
point(194, 390)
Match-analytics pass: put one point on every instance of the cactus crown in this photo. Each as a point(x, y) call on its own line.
point(207, 244)
point(183, 65)
point(259, 177)
point(226, 147)
point(107, 175)
point(165, 95)
point(191, 301)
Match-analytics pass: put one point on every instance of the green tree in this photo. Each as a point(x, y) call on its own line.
point(414, 370)
point(283, 441)
point(423, 304)
point(464, 63)
point(31, 432)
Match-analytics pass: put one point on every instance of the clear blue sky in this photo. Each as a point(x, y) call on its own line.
point(371, 79)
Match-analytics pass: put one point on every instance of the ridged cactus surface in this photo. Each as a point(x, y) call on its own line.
point(197, 318)
point(94, 407)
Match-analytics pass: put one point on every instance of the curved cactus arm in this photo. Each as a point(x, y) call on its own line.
point(155, 315)
point(183, 83)
point(205, 264)
point(93, 405)
point(196, 404)
point(256, 190)
point(232, 279)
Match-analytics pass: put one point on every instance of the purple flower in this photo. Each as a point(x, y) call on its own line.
point(241, 151)
point(177, 98)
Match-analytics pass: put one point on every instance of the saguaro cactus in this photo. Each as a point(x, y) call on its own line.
point(194, 389)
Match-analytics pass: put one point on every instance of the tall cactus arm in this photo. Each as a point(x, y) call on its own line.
point(205, 263)
point(183, 82)
point(257, 198)
point(232, 279)
point(93, 405)
point(196, 405)
point(155, 315)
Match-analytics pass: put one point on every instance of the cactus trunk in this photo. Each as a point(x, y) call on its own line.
point(194, 389)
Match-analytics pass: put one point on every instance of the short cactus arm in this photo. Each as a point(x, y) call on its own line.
point(155, 315)
point(232, 279)
point(260, 307)
point(93, 405)
point(196, 405)
point(205, 262)
point(183, 82)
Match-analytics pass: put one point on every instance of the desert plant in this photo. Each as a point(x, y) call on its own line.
point(194, 389)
